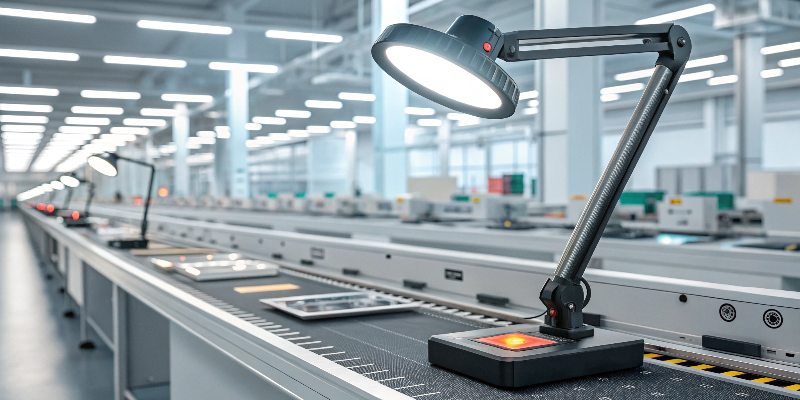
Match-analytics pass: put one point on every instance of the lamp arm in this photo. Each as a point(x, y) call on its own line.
point(68, 198)
point(135, 161)
point(147, 200)
point(89, 201)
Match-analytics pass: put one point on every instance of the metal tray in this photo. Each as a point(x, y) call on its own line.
point(336, 305)
point(205, 267)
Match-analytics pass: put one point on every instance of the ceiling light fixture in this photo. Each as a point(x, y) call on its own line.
point(187, 98)
point(52, 16)
point(39, 55)
point(343, 124)
point(780, 48)
point(605, 98)
point(183, 27)
point(632, 87)
point(674, 16)
point(314, 129)
point(144, 122)
point(28, 91)
point(771, 73)
point(419, 111)
point(364, 120)
point(529, 95)
point(696, 76)
point(144, 61)
point(789, 62)
point(252, 126)
point(97, 110)
point(79, 129)
point(23, 128)
point(269, 120)
point(87, 121)
point(429, 122)
point(133, 130)
point(357, 96)
point(335, 105)
point(293, 113)
point(159, 112)
point(258, 68)
point(722, 80)
point(24, 119)
point(312, 37)
point(26, 107)
point(109, 94)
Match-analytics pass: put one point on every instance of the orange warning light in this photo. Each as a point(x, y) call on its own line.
point(40, 206)
point(163, 192)
point(50, 208)
point(516, 341)
point(76, 215)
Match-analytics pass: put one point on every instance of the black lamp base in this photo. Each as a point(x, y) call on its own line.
point(76, 223)
point(128, 243)
point(481, 354)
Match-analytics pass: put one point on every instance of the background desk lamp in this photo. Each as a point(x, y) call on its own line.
point(76, 219)
point(106, 164)
point(457, 70)
point(49, 206)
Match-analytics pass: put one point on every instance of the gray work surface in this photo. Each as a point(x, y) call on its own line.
point(397, 343)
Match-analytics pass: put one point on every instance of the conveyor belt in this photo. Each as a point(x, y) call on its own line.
point(392, 349)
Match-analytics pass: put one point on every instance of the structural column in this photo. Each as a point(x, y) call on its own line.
point(230, 167)
point(749, 97)
point(570, 109)
point(388, 132)
point(180, 134)
point(443, 139)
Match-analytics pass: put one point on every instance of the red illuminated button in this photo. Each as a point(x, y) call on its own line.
point(487, 47)
point(76, 215)
point(50, 208)
point(552, 313)
point(516, 341)
point(40, 206)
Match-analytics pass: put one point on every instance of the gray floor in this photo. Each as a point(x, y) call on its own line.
point(39, 355)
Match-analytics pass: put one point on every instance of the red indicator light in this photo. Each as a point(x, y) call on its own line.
point(40, 206)
point(76, 215)
point(516, 341)
point(183, 258)
point(487, 47)
point(552, 313)
point(163, 192)
point(50, 208)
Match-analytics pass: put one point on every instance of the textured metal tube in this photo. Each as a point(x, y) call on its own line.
point(595, 216)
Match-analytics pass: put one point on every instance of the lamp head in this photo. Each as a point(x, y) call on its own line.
point(455, 69)
point(70, 180)
point(57, 185)
point(105, 163)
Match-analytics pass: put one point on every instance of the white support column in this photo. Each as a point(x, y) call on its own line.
point(180, 134)
point(570, 109)
point(443, 139)
point(749, 96)
point(388, 132)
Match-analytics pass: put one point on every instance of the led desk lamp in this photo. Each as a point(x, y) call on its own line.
point(457, 70)
point(50, 208)
point(106, 164)
point(75, 219)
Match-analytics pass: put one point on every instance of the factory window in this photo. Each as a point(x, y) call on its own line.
point(423, 162)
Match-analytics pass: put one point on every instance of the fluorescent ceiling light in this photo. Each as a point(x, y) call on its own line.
point(119, 136)
point(324, 104)
point(722, 80)
point(193, 145)
point(627, 76)
point(459, 116)
point(674, 16)
point(108, 94)
point(419, 111)
point(780, 48)
point(26, 107)
point(130, 130)
point(23, 128)
point(357, 96)
point(266, 139)
point(79, 129)
point(312, 37)
point(144, 122)
point(188, 98)
point(469, 122)
point(252, 126)
point(149, 62)
point(97, 110)
point(789, 62)
point(223, 132)
point(530, 110)
point(702, 62)
point(86, 121)
point(622, 88)
point(32, 141)
point(429, 122)
point(183, 27)
point(159, 112)
point(21, 135)
point(53, 16)
point(40, 55)
point(269, 120)
point(605, 98)
point(293, 113)
point(529, 95)
point(771, 73)
point(696, 76)
point(533, 103)
point(206, 134)
point(24, 119)
point(252, 143)
point(259, 68)
point(28, 91)
point(299, 133)
point(315, 129)
point(280, 136)
point(343, 124)
point(364, 120)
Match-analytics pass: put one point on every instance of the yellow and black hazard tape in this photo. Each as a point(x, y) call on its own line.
point(724, 371)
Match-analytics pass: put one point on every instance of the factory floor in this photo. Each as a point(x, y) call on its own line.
point(39, 354)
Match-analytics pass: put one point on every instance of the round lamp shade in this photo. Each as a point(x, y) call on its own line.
point(455, 69)
point(70, 181)
point(105, 164)
point(57, 185)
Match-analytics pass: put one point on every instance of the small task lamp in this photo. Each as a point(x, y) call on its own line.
point(457, 70)
point(49, 207)
point(106, 164)
point(75, 219)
